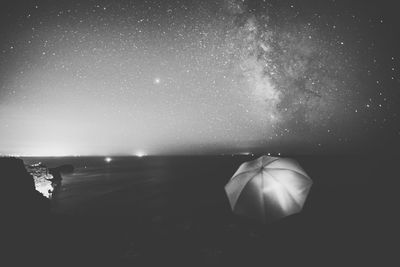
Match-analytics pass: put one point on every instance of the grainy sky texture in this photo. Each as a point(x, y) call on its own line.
point(167, 77)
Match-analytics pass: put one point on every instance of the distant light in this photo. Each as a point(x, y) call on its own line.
point(140, 154)
point(108, 159)
point(157, 80)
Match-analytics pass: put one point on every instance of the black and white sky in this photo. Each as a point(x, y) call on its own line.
point(196, 76)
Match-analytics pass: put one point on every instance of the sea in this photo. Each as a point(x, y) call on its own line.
point(173, 210)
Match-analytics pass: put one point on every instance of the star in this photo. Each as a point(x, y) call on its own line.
point(170, 77)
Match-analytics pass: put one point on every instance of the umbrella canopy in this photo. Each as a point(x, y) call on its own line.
point(268, 188)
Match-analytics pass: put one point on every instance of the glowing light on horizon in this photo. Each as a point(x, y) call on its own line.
point(236, 78)
point(53, 150)
point(108, 159)
point(140, 154)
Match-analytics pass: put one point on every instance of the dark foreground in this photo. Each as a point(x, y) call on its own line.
point(174, 213)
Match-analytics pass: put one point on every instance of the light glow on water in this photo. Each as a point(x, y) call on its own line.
point(108, 159)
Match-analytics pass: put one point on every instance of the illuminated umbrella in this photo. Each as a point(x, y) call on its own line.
point(268, 188)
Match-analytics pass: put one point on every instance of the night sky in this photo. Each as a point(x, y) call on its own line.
point(190, 77)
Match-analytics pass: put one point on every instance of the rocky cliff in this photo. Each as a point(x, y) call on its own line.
point(18, 194)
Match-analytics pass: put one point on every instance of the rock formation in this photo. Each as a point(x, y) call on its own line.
point(19, 198)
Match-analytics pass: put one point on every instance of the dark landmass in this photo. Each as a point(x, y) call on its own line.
point(18, 193)
point(25, 213)
point(350, 219)
point(63, 169)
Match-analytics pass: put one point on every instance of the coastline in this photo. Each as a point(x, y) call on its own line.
point(176, 213)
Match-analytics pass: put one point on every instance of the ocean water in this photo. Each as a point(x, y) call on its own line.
point(127, 184)
point(152, 211)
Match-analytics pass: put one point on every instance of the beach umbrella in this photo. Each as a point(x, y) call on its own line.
point(268, 188)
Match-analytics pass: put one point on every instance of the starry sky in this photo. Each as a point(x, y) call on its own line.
point(187, 77)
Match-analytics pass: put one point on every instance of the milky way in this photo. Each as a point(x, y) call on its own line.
point(118, 77)
point(296, 79)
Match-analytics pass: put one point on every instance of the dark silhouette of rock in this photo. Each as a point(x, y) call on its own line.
point(67, 168)
point(27, 223)
point(19, 197)
point(63, 169)
point(56, 174)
